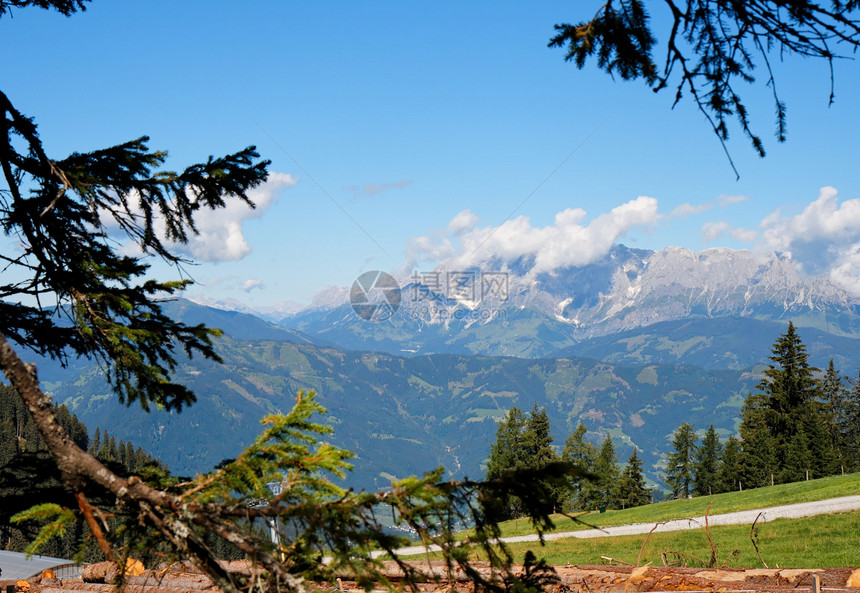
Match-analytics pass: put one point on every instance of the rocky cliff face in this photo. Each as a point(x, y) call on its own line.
point(675, 283)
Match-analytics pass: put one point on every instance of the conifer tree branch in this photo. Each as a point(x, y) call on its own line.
point(324, 519)
point(712, 50)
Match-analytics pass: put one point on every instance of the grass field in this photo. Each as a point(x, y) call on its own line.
point(823, 541)
point(812, 542)
point(769, 496)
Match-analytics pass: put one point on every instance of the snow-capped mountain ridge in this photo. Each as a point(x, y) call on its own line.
point(502, 308)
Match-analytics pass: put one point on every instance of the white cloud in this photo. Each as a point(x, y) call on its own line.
point(220, 235)
point(823, 219)
point(569, 241)
point(687, 209)
point(846, 270)
point(822, 239)
point(438, 245)
point(747, 235)
point(251, 284)
point(724, 200)
point(721, 201)
point(712, 231)
point(463, 221)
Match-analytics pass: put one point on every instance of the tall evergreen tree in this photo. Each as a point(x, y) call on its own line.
point(508, 453)
point(832, 398)
point(606, 469)
point(538, 453)
point(584, 455)
point(96, 443)
point(537, 440)
point(841, 399)
point(790, 429)
point(632, 491)
point(525, 443)
point(757, 461)
point(833, 395)
point(849, 427)
point(823, 452)
point(792, 393)
point(728, 476)
point(707, 464)
point(680, 468)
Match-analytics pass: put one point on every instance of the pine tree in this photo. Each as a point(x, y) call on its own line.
point(78, 432)
point(794, 414)
point(537, 440)
point(583, 455)
point(96, 443)
point(524, 443)
point(508, 454)
point(606, 469)
point(792, 390)
point(849, 427)
point(729, 475)
point(836, 406)
point(129, 459)
point(707, 464)
point(632, 491)
point(833, 396)
point(757, 464)
point(538, 452)
point(823, 452)
point(680, 467)
point(826, 445)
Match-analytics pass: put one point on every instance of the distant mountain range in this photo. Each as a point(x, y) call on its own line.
point(633, 346)
point(540, 315)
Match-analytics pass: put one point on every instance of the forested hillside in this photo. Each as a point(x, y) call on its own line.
point(799, 424)
point(403, 415)
point(29, 477)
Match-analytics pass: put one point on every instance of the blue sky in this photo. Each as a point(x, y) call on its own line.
point(408, 114)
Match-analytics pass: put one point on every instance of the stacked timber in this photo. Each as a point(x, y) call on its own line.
point(434, 577)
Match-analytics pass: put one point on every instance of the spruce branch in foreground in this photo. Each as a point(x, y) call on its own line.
point(327, 530)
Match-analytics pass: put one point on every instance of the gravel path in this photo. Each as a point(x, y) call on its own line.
point(787, 511)
point(801, 509)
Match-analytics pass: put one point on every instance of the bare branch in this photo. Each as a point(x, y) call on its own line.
point(754, 539)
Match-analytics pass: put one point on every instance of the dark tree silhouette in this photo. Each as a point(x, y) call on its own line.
point(713, 48)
